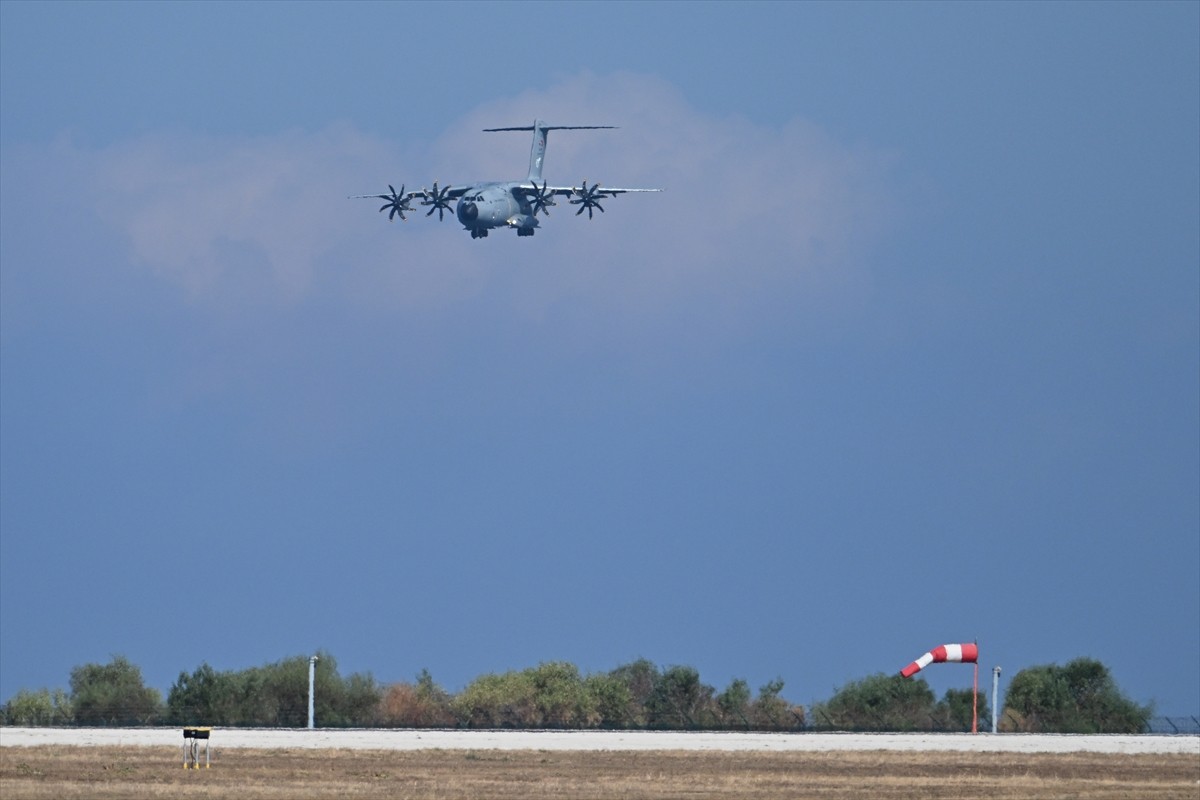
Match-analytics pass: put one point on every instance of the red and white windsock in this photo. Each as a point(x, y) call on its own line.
point(968, 653)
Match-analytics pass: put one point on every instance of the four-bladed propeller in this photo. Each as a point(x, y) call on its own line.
point(541, 199)
point(588, 198)
point(438, 200)
point(398, 203)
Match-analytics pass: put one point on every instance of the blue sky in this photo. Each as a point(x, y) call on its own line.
point(908, 352)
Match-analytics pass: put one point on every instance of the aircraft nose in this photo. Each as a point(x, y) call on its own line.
point(468, 212)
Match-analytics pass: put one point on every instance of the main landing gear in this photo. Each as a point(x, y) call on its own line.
point(481, 233)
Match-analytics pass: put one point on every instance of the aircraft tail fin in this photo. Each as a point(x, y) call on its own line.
point(537, 152)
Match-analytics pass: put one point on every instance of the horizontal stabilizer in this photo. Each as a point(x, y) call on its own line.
point(537, 153)
point(553, 128)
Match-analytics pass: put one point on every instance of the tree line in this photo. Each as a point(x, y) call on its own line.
point(1080, 697)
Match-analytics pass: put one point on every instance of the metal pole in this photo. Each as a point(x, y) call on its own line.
point(975, 701)
point(312, 677)
point(995, 696)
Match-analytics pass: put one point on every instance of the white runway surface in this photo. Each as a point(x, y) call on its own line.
point(287, 739)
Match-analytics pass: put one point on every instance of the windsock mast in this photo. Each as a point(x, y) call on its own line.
point(952, 653)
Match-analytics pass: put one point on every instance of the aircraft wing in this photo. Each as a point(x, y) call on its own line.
point(399, 202)
point(586, 197)
point(566, 191)
point(450, 192)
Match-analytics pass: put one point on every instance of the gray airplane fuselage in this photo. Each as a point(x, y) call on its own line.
point(495, 205)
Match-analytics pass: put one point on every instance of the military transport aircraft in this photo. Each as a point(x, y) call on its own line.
point(509, 204)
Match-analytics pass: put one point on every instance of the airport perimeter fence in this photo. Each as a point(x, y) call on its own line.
point(1181, 725)
point(1188, 725)
point(1155, 726)
point(1177, 725)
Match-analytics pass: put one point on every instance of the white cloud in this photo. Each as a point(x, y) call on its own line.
point(222, 216)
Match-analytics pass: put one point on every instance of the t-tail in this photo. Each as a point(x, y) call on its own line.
point(537, 152)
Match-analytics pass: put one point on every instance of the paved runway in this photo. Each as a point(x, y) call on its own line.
point(375, 739)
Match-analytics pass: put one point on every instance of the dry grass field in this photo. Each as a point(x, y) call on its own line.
point(141, 773)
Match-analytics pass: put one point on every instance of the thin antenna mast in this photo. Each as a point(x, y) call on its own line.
point(312, 679)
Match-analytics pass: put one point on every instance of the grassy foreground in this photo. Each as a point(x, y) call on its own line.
point(140, 773)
